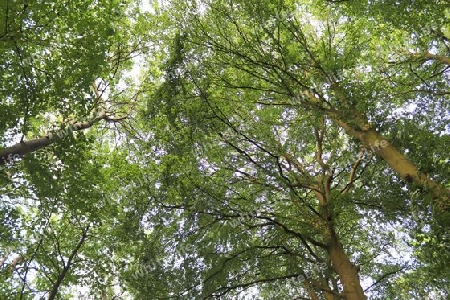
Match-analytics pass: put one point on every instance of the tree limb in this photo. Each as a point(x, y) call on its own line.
point(20, 149)
point(67, 266)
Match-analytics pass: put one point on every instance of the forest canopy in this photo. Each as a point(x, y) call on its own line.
point(211, 149)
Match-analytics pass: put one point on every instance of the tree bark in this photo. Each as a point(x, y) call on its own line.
point(399, 163)
point(26, 147)
point(443, 59)
point(347, 271)
point(357, 126)
point(312, 294)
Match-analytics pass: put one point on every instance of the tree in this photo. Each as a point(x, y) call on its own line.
point(61, 65)
point(45, 79)
point(241, 77)
point(271, 150)
point(328, 82)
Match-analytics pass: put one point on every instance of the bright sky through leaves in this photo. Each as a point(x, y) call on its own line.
point(218, 149)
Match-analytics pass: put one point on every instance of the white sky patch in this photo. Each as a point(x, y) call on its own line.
point(408, 109)
point(146, 7)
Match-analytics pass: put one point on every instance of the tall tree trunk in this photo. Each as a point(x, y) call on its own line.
point(357, 126)
point(26, 147)
point(312, 294)
point(399, 163)
point(348, 273)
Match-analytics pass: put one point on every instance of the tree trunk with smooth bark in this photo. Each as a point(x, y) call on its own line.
point(22, 148)
point(407, 170)
point(347, 271)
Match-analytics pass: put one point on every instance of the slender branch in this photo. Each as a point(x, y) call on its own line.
point(67, 266)
point(351, 178)
point(384, 277)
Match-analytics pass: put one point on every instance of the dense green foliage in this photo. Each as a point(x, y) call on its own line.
point(257, 150)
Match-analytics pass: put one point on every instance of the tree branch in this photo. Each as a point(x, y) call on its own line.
point(67, 266)
point(20, 149)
